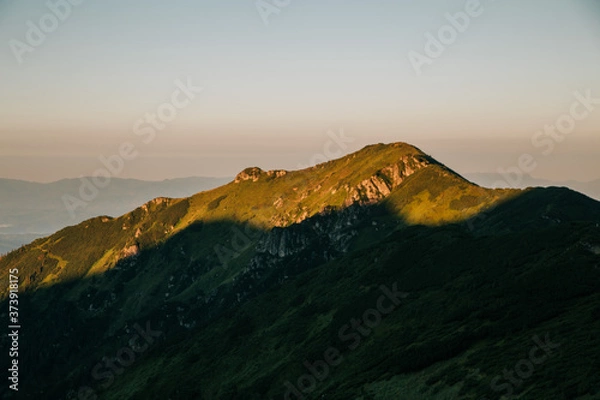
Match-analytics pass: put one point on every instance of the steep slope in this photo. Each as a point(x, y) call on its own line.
point(470, 307)
point(29, 207)
point(248, 280)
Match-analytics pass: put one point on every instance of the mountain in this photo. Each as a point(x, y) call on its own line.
point(31, 210)
point(9, 242)
point(591, 189)
point(380, 275)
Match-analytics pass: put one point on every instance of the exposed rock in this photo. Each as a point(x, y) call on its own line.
point(156, 202)
point(282, 242)
point(381, 184)
point(277, 173)
point(130, 251)
point(253, 174)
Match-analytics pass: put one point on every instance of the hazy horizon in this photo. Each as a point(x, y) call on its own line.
point(449, 152)
point(272, 92)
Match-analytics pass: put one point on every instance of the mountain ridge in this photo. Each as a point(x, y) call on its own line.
point(32, 208)
point(492, 180)
point(279, 262)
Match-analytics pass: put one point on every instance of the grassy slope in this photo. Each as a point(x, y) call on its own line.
point(277, 331)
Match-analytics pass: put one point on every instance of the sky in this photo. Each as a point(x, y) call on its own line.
point(277, 86)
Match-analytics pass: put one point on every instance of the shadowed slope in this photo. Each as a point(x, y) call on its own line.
point(249, 280)
point(263, 200)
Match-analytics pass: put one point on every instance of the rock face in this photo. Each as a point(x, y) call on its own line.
point(159, 201)
point(324, 229)
point(382, 183)
point(293, 249)
point(255, 173)
point(277, 173)
point(248, 174)
point(130, 251)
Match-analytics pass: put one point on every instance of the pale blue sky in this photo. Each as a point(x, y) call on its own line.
point(272, 92)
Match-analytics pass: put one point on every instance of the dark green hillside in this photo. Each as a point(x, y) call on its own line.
point(411, 281)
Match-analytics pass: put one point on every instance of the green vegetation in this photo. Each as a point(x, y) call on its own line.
point(308, 251)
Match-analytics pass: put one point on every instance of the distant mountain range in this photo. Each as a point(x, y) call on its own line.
point(380, 275)
point(29, 210)
point(591, 189)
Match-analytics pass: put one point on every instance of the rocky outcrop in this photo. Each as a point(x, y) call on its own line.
point(277, 173)
point(130, 251)
point(154, 204)
point(283, 252)
point(248, 174)
point(381, 184)
point(254, 174)
point(330, 227)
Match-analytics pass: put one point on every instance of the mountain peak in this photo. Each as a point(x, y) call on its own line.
point(387, 151)
point(392, 145)
point(365, 177)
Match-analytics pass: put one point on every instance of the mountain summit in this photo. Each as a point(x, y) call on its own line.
point(398, 176)
point(242, 291)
